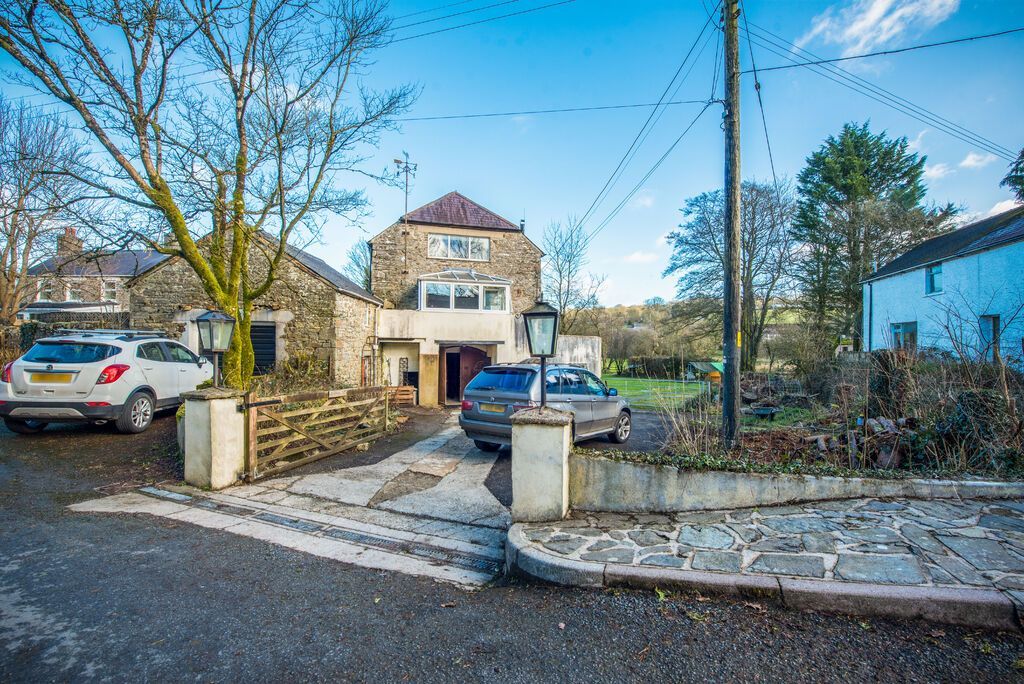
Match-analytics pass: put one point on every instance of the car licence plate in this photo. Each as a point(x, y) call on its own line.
point(52, 378)
point(492, 408)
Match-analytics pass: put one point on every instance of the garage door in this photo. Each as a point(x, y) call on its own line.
point(264, 346)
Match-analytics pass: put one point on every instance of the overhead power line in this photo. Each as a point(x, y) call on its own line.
point(397, 40)
point(760, 105)
point(433, 9)
point(456, 14)
point(613, 178)
point(444, 117)
point(483, 21)
point(875, 93)
point(848, 75)
point(636, 188)
point(894, 51)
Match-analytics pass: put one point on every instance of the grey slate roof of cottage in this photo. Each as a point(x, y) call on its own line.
point(455, 209)
point(320, 267)
point(123, 263)
point(994, 231)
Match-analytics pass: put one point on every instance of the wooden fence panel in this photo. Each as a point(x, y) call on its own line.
point(286, 431)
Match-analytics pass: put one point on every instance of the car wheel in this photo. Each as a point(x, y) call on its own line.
point(486, 446)
point(623, 426)
point(24, 427)
point(137, 414)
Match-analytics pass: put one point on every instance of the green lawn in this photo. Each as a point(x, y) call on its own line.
point(651, 394)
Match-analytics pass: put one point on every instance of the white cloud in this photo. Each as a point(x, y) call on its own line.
point(643, 199)
point(937, 171)
point(662, 240)
point(865, 25)
point(917, 144)
point(640, 258)
point(1000, 207)
point(976, 160)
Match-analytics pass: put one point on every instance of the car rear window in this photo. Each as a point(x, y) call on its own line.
point(69, 352)
point(502, 379)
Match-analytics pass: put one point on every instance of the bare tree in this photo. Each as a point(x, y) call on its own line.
point(35, 196)
point(566, 283)
point(698, 253)
point(254, 149)
point(358, 266)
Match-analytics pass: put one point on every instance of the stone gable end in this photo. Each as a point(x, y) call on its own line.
point(512, 256)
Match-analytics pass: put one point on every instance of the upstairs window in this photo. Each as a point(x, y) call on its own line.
point(933, 279)
point(464, 297)
point(904, 335)
point(74, 293)
point(458, 247)
point(47, 291)
point(109, 291)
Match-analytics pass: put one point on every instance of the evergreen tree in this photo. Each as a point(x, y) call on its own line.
point(860, 206)
point(1015, 177)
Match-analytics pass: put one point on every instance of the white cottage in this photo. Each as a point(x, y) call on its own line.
point(962, 292)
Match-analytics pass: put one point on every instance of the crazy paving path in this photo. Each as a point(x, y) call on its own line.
point(424, 510)
point(909, 542)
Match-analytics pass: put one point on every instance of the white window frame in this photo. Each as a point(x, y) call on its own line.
point(45, 285)
point(929, 279)
point(70, 289)
point(452, 284)
point(108, 287)
point(448, 250)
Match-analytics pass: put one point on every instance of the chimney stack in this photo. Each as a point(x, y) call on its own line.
point(69, 244)
point(522, 225)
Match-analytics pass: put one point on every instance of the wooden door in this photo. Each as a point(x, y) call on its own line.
point(471, 362)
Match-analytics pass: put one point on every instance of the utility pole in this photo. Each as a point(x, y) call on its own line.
point(406, 167)
point(731, 321)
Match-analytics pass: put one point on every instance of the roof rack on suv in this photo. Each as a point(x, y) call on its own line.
point(124, 334)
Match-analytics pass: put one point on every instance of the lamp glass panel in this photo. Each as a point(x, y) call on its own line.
point(542, 335)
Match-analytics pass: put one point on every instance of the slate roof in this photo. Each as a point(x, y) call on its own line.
point(122, 263)
point(454, 209)
point(995, 231)
point(320, 267)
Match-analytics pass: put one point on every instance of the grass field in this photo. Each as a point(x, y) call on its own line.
point(644, 393)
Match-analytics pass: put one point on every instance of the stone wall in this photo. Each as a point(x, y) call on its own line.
point(170, 295)
point(512, 256)
point(355, 325)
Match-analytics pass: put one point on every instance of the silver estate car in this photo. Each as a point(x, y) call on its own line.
point(497, 392)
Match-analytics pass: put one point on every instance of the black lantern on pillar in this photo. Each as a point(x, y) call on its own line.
point(541, 322)
point(215, 331)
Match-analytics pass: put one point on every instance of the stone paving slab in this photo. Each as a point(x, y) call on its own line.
point(939, 547)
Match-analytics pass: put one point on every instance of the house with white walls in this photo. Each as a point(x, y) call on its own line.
point(962, 292)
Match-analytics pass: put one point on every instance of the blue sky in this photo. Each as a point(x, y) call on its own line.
point(545, 167)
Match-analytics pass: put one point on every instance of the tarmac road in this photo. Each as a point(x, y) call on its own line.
point(142, 598)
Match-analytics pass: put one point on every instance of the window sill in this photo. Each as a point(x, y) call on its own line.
point(935, 294)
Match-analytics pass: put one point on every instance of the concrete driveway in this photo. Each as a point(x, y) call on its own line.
point(437, 507)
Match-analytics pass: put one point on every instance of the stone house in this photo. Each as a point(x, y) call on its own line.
point(454, 277)
point(76, 281)
point(311, 310)
point(959, 292)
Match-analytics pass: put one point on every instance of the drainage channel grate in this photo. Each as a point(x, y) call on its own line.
point(464, 560)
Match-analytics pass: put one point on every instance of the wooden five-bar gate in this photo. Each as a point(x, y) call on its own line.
point(287, 431)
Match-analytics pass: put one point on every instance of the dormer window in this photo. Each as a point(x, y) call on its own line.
point(464, 290)
point(458, 247)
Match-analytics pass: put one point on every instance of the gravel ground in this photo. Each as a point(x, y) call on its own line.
point(141, 598)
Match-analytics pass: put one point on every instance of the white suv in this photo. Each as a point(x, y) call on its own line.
point(97, 376)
